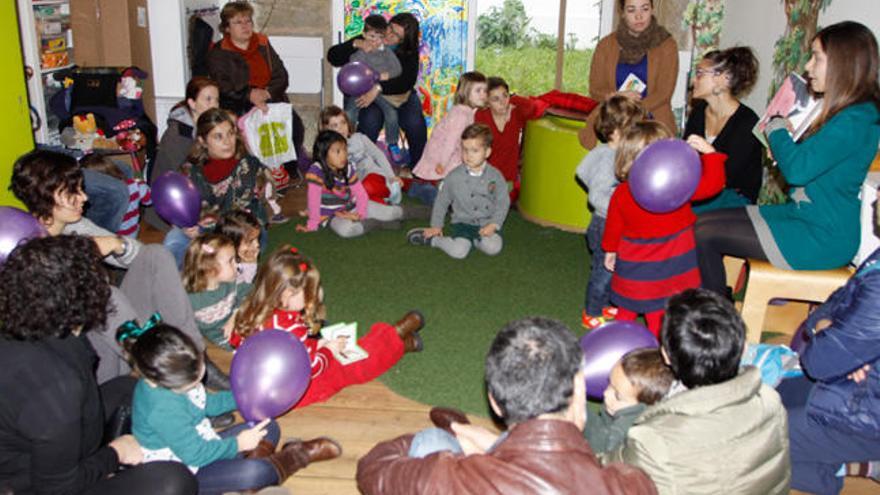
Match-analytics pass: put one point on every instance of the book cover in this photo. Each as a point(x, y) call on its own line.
point(352, 351)
point(633, 83)
point(793, 101)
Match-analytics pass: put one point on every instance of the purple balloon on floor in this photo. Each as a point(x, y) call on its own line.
point(176, 199)
point(665, 175)
point(603, 348)
point(356, 78)
point(17, 227)
point(270, 372)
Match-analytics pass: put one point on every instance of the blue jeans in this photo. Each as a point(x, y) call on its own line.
point(238, 473)
point(431, 440)
point(410, 118)
point(423, 191)
point(599, 284)
point(108, 199)
point(817, 451)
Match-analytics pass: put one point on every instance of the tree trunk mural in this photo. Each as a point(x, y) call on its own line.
point(793, 48)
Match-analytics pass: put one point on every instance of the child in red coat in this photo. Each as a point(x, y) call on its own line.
point(287, 295)
point(653, 255)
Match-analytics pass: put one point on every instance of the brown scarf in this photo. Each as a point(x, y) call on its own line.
point(634, 48)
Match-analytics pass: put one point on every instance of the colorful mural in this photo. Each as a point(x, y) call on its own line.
point(443, 48)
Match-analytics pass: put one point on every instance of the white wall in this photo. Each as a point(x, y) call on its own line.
point(759, 23)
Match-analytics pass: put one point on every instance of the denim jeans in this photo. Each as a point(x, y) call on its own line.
point(238, 473)
point(410, 119)
point(108, 199)
point(431, 440)
point(599, 285)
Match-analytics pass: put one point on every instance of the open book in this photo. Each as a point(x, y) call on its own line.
point(632, 83)
point(794, 102)
point(352, 352)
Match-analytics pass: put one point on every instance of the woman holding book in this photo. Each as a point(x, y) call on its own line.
point(640, 60)
point(818, 228)
point(720, 122)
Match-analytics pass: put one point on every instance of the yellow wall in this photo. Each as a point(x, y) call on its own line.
point(15, 123)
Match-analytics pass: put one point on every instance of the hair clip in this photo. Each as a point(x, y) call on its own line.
point(130, 329)
point(303, 267)
point(294, 250)
point(207, 248)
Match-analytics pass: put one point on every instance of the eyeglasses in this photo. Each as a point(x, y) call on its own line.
point(706, 72)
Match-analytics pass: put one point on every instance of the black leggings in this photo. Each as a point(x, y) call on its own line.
point(724, 232)
point(152, 478)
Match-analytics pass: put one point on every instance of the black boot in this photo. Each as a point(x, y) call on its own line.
point(215, 379)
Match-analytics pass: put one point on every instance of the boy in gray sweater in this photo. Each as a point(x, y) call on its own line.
point(596, 172)
point(387, 65)
point(479, 199)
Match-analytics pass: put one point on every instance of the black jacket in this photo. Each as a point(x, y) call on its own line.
point(339, 55)
point(51, 418)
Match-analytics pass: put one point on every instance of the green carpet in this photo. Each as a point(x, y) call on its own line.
point(378, 277)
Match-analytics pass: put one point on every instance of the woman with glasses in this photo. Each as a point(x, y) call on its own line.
point(720, 122)
point(247, 69)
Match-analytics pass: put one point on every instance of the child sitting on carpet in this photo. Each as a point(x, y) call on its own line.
point(382, 185)
point(443, 151)
point(138, 192)
point(170, 418)
point(478, 195)
point(596, 172)
point(638, 380)
point(652, 255)
point(243, 229)
point(209, 277)
point(336, 196)
point(288, 296)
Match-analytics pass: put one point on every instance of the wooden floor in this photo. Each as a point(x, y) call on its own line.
point(363, 415)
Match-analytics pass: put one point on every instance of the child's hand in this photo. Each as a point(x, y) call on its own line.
point(860, 374)
point(700, 144)
point(192, 232)
point(250, 438)
point(348, 215)
point(473, 439)
point(432, 232)
point(229, 326)
point(439, 169)
point(610, 259)
point(384, 76)
point(301, 228)
point(128, 450)
point(109, 244)
point(488, 229)
point(336, 345)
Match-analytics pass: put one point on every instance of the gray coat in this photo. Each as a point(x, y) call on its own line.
point(478, 201)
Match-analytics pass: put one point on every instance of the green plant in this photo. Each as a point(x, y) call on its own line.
point(793, 47)
point(507, 26)
point(532, 71)
point(704, 19)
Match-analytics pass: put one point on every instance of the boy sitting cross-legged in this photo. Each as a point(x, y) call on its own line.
point(478, 195)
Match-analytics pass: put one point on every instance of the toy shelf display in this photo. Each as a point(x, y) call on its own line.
point(52, 24)
point(549, 193)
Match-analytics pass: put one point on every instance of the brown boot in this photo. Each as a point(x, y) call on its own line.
point(408, 328)
point(443, 417)
point(263, 449)
point(322, 449)
point(290, 459)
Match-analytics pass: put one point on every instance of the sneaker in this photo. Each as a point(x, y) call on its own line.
point(416, 237)
point(279, 219)
point(609, 313)
point(398, 156)
point(591, 322)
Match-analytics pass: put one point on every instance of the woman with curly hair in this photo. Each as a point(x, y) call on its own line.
point(50, 186)
point(52, 416)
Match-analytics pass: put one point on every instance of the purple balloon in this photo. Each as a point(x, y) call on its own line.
point(603, 348)
point(176, 199)
point(270, 373)
point(800, 339)
point(356, 78)
point(17, 227)
point(665, 175)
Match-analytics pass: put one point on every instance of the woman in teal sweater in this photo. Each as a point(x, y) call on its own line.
point(818, 228)
point(170, 413)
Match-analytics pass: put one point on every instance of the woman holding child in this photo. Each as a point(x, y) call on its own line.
point(402, 36)
point(818, 228)
point(642, 49)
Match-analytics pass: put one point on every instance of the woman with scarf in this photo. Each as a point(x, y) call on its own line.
point(642, 49)
point(249, 71)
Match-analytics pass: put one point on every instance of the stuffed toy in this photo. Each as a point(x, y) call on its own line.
point(85, 135)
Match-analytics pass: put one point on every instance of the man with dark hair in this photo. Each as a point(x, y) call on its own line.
point(535, 383)
point(719, 430)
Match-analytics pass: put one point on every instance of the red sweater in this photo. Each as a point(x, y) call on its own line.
point(627, 218)
point(506, 144)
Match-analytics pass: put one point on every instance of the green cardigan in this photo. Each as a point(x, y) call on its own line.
point(819, 228)
point(163, 418)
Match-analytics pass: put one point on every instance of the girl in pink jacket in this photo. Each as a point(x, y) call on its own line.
point(443, 151)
